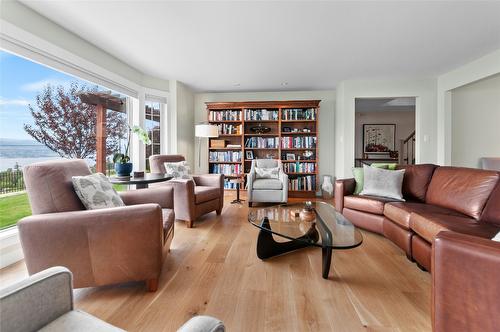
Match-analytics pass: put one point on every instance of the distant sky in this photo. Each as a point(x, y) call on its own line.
point(20, 81)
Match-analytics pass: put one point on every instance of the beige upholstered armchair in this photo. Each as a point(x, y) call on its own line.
point(192, 198)
point(100, 247)
point(267, 190)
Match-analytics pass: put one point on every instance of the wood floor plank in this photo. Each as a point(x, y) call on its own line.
point(213, 269)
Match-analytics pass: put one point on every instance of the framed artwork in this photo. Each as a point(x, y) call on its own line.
point(379, 138)
point(249, 155)
point(290, 156)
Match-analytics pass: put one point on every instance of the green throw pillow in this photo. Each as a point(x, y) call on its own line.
point(359, 176)
point(391, 167)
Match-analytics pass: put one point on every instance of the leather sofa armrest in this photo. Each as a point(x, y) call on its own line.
point(465, 287)
point(96, 245)
point(163, 196)
point(343, 188)
point(184, 200)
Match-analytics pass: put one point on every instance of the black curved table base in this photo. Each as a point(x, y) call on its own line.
point(267, 247)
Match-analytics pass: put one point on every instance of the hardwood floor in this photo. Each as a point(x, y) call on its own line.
point(213, 269)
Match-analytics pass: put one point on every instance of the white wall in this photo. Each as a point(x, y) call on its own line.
point(181, 117)
point(475, 122)
point(404, 121)
point(326, 119)
point(483, 67)
point(424, 91)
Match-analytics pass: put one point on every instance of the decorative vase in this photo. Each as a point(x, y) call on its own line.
point(123, 169)
point(327, 187)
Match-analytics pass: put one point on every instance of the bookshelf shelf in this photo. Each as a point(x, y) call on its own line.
point(286, 121)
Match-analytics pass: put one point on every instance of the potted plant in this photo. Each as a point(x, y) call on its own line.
point(123, 166)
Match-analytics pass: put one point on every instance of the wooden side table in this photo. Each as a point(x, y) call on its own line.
point(238, 182)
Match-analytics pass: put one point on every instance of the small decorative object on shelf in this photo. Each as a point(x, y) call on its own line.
point(287, 129)
point(307, 213)
point(327, 187)
point(260, 129)
point(307, 154)
point(249, 155)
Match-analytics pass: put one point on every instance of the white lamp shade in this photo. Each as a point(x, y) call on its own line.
point(206, 130)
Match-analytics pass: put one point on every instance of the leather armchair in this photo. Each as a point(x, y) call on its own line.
point(465, 283)
point(193, 198)
point(100, 247)
point(267, 190)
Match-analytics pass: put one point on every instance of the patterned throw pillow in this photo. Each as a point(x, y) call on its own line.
point(96, 192)
point(178, 170)
point(267, 173)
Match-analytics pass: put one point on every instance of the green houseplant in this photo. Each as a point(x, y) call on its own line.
point(123, 166)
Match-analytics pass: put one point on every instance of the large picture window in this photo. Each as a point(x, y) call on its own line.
point(152, 125)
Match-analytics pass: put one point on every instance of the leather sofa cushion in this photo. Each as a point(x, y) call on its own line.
point(369, 204)
point(465, 190)
point(428, 225)
point(491, 212)
point(205, 194)
point(399, 212)
point(267, 184)
point(416, 180)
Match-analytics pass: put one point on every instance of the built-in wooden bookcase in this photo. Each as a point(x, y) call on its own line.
point(286, 130)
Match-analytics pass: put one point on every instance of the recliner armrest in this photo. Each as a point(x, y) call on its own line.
point(343, 188)
point(161, 195)
point(465, 283)
point(209, 180)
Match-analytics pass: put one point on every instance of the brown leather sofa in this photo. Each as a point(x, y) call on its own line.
point(99, 247)
point(462, 200)
point(465, 283)
point(192, 198)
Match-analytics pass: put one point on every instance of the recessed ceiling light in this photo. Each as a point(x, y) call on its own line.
point(236, 84)
point(284, 83)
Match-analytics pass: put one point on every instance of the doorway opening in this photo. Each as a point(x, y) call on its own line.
point(384, 130)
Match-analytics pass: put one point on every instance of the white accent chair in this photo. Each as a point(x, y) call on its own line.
point(267, 190)
point(491, 163)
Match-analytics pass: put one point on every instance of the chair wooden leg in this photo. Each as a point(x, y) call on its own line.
point(189, 223)
point(218, 211)
point(249, 204)
point(152, 285)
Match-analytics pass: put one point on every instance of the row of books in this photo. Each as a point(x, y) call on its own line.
point(225, 115)
point(226, 169)
point(298, 114)
point(229, 129)
point(262, 114)
point(299, 167)
point(262, 142)
point(299, 142)
point(234, 156)
point(229, 185)
point(307, 182)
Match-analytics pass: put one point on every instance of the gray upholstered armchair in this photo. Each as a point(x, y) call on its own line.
point(193, 198)
point(101, 247)
point(44, 302)
point(267, 190)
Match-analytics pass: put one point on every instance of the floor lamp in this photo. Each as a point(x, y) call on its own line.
point(204, 130)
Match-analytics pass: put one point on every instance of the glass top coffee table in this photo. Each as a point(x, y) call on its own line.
point(322, 227)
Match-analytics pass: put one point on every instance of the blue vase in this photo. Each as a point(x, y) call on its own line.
point(123, 169)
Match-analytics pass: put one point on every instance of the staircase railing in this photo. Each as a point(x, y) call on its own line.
point(407, 150)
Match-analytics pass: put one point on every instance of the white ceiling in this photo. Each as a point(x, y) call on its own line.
point(244, 46)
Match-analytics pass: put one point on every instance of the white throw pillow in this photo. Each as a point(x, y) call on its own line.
point(267, 173)
point(96, 192)
point(178, 170)
point(496, 237)
point(382, 182)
